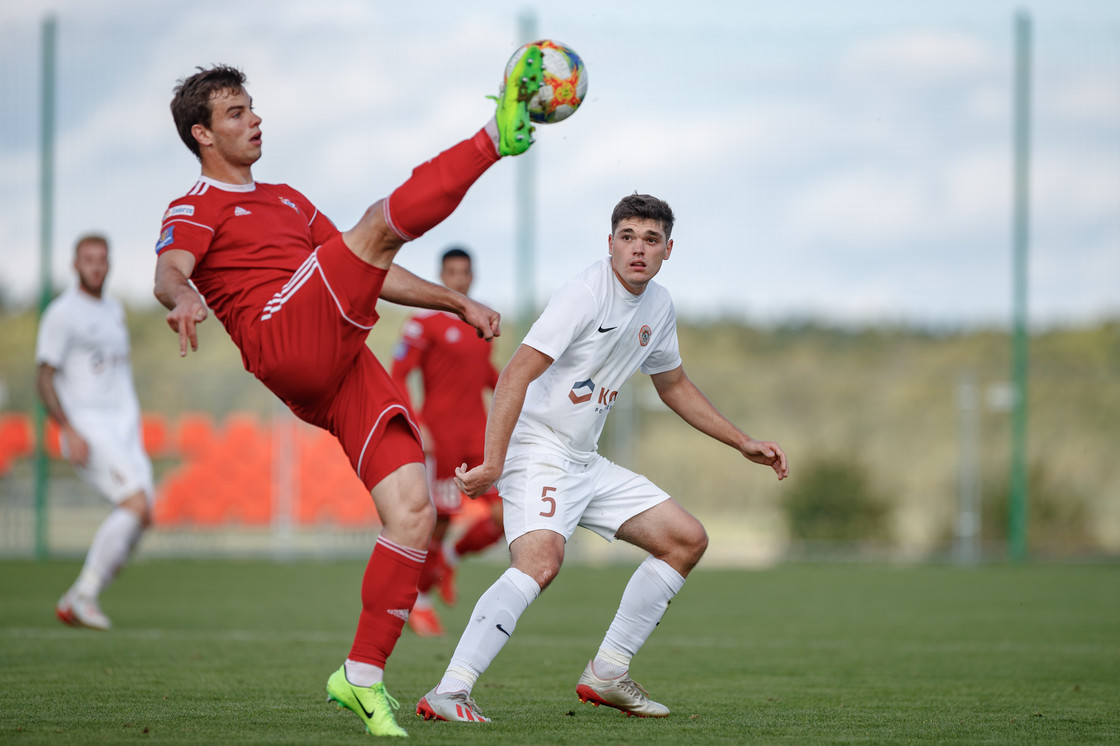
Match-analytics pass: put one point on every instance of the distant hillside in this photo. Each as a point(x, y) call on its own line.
point(871, 412)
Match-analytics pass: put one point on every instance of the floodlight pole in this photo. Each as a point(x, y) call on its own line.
point(46, 219)
point(1017, 508)
point(526, 201)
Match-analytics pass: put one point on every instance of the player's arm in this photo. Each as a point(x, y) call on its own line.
point(77, 447)
point(682, 396)
point(526, 365)
point(174, 290)
point(404, 288)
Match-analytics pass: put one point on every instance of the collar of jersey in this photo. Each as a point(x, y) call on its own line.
point(228, 187)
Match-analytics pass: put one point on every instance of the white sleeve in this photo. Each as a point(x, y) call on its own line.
point(53, 339)
point(569, 314)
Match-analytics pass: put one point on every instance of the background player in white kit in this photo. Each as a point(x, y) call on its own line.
point(85, 381)
point(548, 411)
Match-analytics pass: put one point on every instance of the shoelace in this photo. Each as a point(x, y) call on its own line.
point(633, 688)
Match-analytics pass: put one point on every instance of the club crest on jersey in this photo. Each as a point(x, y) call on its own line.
point(179, 211)
point(643, 335)
point(581, 391)
point(166, 238)
point(289, 203)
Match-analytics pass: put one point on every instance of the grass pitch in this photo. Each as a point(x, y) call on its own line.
point(239, 652)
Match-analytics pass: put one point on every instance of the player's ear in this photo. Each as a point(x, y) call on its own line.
point(610, 244)
point(668, 248)
point(201, 134)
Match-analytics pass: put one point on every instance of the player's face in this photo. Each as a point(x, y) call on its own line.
point(456, 274)
point(91, 262)
point(235, 130)
point(637, 248)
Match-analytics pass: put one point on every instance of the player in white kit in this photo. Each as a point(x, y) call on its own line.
point(84, 378)
point(547, 413)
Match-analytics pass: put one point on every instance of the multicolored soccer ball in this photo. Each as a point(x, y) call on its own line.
point(565, 82)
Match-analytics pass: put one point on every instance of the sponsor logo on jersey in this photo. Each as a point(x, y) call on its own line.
point(289, 203)
point(181, 210)
point(239, 211)
point(581, 391)
point(643, 335)
point(166, 238)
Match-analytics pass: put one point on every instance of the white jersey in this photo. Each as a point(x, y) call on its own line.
point(598, 334)
point(86, 341)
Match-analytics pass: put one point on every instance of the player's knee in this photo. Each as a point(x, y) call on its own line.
point(693, 540)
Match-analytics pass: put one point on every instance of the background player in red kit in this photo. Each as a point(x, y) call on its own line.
point(297, 297)
point(456, 372)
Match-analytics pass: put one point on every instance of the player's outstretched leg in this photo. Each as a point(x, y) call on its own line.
point(515, 129)
point(371, 703)
point(456, 707)
point(622, 693)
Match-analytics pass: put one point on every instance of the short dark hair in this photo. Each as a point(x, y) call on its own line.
point(455, 252)
point(643, 207)
point(90, 238)
point(191, 103)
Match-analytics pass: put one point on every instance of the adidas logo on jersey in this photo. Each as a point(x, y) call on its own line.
point(239, 211)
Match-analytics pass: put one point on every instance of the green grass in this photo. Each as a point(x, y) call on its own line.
point(239, 652)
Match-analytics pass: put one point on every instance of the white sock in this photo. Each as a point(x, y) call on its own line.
point(111, 546)
point(491, 624)
point(363, 674)
point(492, 130)
point(644, 602)
point(423, 601)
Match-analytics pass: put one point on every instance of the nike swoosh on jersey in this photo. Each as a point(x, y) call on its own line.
point(608, 329)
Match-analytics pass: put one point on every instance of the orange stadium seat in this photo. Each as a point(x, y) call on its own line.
point(154, 432)
point(16, 440)
point(195, 432)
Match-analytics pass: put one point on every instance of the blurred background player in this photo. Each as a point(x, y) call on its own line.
point(84, 378)
point(298, 297)
point(456, 372)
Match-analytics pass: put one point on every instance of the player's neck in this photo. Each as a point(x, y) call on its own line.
point(226, 172)
point(87, 290)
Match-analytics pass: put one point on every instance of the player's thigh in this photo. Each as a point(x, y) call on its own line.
point(665, 529)
point(117, 468)
point(543, 491)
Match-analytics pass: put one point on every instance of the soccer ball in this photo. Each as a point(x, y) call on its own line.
point(564, 85)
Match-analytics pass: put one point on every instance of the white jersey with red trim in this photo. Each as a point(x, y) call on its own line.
point(598, 334)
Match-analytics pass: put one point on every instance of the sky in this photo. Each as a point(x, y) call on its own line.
point(844, 162)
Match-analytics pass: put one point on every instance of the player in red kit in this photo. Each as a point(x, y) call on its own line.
point(298, 298)
point(456, 372)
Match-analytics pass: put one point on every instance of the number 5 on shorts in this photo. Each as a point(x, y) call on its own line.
point(550, 501)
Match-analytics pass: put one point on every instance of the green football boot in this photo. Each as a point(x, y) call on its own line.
point(371, 703)
point(524, 80)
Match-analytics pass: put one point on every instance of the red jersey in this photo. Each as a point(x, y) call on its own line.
point(456, 369)
point(247, 239)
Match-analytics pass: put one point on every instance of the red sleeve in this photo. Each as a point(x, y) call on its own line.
point(408, 355)
point(188, 225)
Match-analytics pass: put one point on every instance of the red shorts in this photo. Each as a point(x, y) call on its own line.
point(309, 348)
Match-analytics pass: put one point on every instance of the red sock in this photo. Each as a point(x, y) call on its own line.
point(479, 536)
point(438, 186)
point(433, 566)
point(388, 593)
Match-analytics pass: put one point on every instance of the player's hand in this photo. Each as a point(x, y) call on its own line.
point(189, 311)
point(484, 319)
point(77, 449)
point(476, 481)
point(767, 453)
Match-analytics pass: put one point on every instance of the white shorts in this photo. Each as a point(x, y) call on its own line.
point(118, 467)
point(542, 490)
